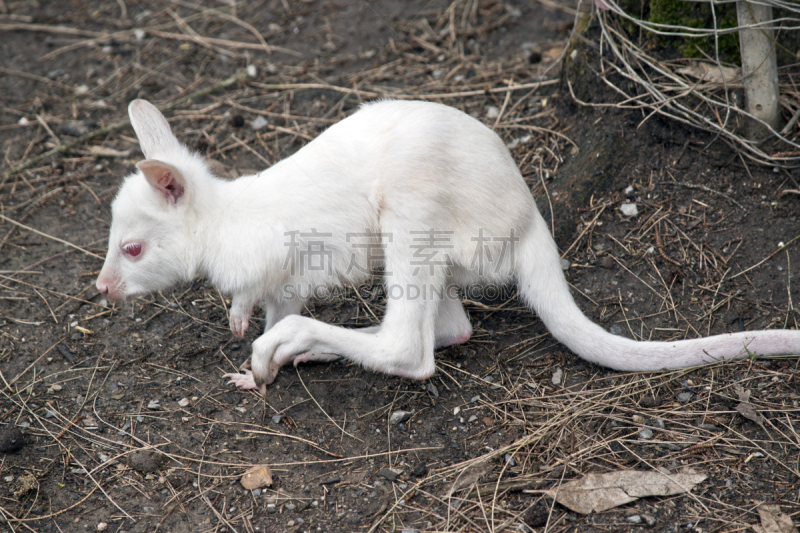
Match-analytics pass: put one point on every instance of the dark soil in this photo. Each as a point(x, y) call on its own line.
point(124, 415)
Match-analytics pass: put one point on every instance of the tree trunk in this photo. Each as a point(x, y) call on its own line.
point(759, 68)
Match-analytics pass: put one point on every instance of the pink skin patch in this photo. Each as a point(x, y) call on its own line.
point(458, 340)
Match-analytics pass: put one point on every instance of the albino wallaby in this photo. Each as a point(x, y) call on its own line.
point(425, 190)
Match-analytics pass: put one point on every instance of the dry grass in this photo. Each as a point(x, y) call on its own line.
point(590, 421)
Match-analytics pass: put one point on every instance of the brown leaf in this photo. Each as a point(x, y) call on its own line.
point(774, 521)
point(745, 408)
point(598, 492)
point(257, 477)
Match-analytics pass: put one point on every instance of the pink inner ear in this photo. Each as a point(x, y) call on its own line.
point(170, 187)
point(163, 178)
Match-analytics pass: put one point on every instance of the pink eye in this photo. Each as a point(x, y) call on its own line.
point(133, 249)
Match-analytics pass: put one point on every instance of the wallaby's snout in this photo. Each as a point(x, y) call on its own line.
point(109, 287)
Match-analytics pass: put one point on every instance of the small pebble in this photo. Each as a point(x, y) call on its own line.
point(102, 526)
point(634, 519)
point(259, 123)
point(432, 389)
point(388, 473)
point(558, 375)
point(629, 210)
point(607, 262)
point(646, 434)
point(492, 112)
point(398, 417)
point(11, 440)
point(650, 401)
point(684, 397)
point(183, 402)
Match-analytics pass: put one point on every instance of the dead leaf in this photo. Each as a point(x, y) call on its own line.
point(773, 520)
point(599, 492)
point(745, 408)
point(471, 475)
point(710, 73)
point(257, 477)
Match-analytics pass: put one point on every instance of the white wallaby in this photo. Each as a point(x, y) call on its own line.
point(424, 189)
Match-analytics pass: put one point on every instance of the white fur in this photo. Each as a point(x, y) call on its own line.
point(392, 168)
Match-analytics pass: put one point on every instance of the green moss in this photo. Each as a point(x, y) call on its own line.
point(691, 15)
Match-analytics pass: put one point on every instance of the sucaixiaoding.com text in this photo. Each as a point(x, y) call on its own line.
point(396, 291)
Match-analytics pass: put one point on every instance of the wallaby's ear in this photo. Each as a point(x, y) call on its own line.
point(152, 129)
point(165, 179)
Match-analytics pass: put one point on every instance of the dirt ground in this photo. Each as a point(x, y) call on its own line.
point(117, 418)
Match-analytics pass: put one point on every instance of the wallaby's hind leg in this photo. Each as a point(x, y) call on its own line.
point(452, 323)
point(274, 312)
point(402, 346)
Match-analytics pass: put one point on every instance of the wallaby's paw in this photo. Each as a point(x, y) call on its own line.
point(243, 381)
point(239, 323)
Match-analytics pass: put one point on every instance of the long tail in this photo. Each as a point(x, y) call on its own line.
point(543, 286)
